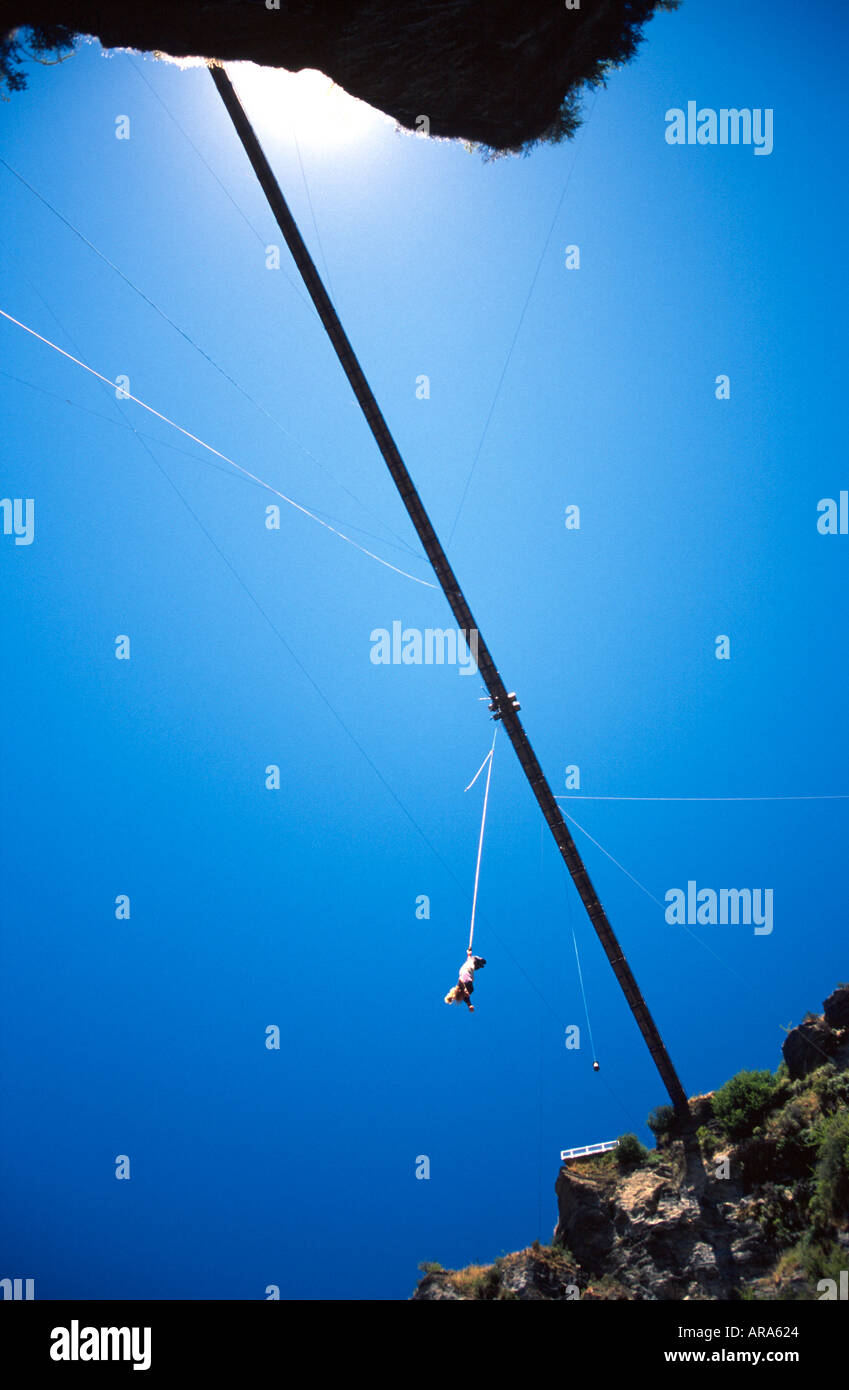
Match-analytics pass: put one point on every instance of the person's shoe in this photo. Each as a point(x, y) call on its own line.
point(471, 1008)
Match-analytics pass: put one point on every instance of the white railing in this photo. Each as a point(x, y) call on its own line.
point(589, 1149)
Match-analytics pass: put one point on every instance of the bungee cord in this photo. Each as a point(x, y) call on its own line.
point(487, 761)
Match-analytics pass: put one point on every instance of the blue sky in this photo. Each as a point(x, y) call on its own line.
point(249, 647)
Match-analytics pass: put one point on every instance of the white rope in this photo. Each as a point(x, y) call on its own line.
point(584, 994)
point(487, 759)
point(836, 796)
point(479, 771)
point(129, 396)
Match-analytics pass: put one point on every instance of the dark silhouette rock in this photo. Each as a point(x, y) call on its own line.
point(586, 1215)
point(491, 71)
point(808, 1046)
point(836, 1008)
point(701, 1109)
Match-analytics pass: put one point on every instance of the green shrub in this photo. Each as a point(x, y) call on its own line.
point(799, 1113)
point(559, 1252)
point(757, 1160)
point(488, 1285)
point(832, 1088)
point(630, 1152)
point(822, 1259)
point(782, 1213)
point(831, 1178)
point(608, 1283)
point(708, 1142)
point(796, 1133)
point(743, 1101)
point(796, 1154)
point(661, 1120)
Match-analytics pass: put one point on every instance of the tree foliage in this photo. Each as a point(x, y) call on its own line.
point(661, 1120)
point(831, 1180)
point(611, 43)
point(37, 43)
point(630, 1152)
point(743, 1101)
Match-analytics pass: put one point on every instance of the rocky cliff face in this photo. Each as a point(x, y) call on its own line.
point(762, 1216)
point(820, 1037)
point(670, 1231)
point(490, 71)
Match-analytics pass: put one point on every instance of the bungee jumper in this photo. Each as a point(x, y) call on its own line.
point(465, 987)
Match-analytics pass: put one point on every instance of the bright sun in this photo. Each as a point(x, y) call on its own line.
point(306, 103)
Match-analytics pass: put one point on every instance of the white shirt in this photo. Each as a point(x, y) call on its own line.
point(467, 970)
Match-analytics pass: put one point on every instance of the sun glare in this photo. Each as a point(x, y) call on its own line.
point(305, 103)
